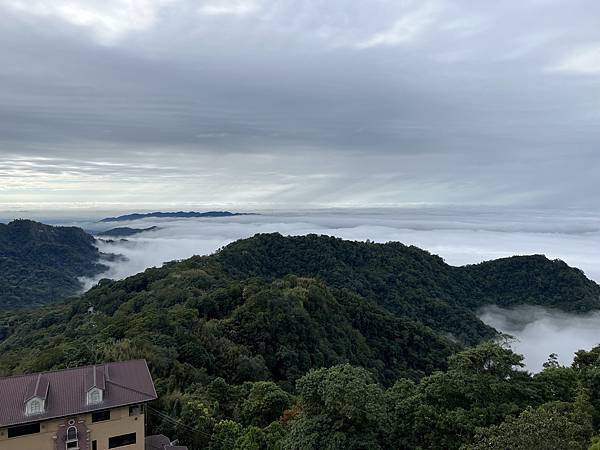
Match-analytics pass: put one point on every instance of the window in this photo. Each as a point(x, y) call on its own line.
point(35, 407)
point(94, 396)
point(72, 441)
point(94, 445)
point(71, 433)
point(122, 440)
point(24, 430)
point(100, 416)
point(135, 410)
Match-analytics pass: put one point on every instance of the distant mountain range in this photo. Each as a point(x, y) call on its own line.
point(125, 231)
point(41, 263)
point(178, 214)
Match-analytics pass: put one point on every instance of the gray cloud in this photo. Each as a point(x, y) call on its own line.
point(300, 103)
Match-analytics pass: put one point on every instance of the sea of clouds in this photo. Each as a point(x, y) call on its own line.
point(540, 331)
point(460, 236)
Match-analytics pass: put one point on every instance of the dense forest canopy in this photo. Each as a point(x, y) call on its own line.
point(318, 343)
point(42, 263)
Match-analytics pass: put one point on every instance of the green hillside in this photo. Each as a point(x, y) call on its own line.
point(314, 342)
point(41, 263)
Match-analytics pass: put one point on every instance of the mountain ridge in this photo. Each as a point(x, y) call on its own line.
point(178, 214)
point(125, 231)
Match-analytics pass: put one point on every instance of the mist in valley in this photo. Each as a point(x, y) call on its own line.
point(538, 332)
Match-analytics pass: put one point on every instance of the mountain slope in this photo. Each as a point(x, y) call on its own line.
point(41, 263)
point(274, 307)
point(227, 337)
point(412, 282)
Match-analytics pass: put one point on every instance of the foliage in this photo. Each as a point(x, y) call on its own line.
point(40, 263)
point(341, 408)
point(411, 282)
point(314, 342)
point(481, 387)
point(551, 426)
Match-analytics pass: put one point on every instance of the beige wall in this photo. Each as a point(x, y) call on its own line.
point(120, 423)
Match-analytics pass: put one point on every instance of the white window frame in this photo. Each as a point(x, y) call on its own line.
point(94, 396)
point(34, 406)
point(72, 440)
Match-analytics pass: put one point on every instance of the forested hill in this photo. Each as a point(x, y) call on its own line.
point(303, 343)
point(412, 282)
point(41, 263)
point(532, 280)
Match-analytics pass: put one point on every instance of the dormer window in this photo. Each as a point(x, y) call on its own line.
point(95, 380)
point(34, 406)
point(94, 396)
point(36, 396)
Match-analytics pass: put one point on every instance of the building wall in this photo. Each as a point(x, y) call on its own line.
point(51, 431)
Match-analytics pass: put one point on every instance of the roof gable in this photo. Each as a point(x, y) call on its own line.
point(95, 377)
point(37, 387)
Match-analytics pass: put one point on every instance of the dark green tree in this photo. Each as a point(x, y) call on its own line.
point(341, 408)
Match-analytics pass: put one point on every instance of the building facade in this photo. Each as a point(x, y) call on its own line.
point(89, 408)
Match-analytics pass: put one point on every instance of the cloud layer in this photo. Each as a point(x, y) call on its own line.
point(304, 103)
point(460, 236)
point(540, 332)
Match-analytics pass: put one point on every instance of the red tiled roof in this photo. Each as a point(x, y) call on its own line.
point(125, 383)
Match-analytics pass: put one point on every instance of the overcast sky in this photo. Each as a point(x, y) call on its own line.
point(291, 103)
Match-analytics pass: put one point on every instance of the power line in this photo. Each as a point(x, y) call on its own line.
point(185, 426)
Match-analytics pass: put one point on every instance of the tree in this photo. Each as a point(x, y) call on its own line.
point(265, 404)
point(487, 358)
point(552, 426)
point(342, 408)
point(552, 361)
point(595, 443)
point(255, 438)
point(225, 435)
point(482, 387)
point(195, 425)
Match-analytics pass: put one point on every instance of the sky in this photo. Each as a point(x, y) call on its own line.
point(289, 104)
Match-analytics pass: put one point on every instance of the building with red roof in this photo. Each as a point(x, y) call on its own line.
point(96, 407)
